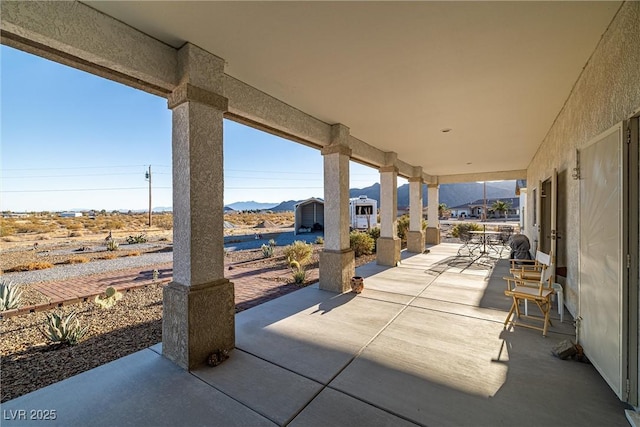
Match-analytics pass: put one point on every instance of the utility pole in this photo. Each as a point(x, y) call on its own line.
point(484, 196)
point(148, 177)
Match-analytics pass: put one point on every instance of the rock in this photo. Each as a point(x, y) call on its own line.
point(564, 350)
point(217, 357)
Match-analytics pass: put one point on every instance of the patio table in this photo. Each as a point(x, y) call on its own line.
point(487, 238)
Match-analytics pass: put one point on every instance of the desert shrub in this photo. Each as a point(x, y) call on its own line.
point(164, 221)
point(10, 295)
point(299, 276)
point(319, 240)
point(76, 260)
point(39, 265)
point(6, 228)
point(267, 251)
point(112, 245)
point(272, 243)
point(64, 329)
point(464, 228)
point(403, 227)
point(114, 224)
point(108, 256)
point(140, 238)
point(75, 234)
point(298, 251)
point(73, 226)
point(361, 243)
point(374, 232)
point(132, 253)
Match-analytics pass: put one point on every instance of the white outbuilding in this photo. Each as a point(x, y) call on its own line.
point(309, 215)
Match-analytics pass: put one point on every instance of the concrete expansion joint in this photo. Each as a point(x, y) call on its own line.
point(187, 92)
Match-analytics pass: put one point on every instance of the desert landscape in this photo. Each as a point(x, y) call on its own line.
point(42, 244)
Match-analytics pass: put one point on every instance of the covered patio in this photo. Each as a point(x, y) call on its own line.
point(434, 92)
point(422, 345)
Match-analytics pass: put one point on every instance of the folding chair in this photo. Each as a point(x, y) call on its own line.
point(538, 291)
point(530, 269)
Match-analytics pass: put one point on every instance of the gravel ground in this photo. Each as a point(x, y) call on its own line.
point(95, 267)
point(30, 362)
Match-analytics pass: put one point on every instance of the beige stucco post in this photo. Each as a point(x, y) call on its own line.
point(388, 245)
point(433, 223)
point(198, 311)
point(415, 235)
point(337, 263)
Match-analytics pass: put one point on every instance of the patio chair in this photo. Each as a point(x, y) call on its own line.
point(538, 291)
point(529, 269)
point(467, 243)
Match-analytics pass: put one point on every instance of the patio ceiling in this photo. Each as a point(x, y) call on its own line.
point(398, 73)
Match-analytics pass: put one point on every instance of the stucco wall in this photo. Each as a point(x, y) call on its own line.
point(607, 92)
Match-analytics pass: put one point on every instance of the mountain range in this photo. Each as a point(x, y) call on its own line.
point(450, 194)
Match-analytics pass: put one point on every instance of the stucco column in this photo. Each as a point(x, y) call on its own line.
point(388, 245)
point(199, 308)
point(415, 236)
point(433, 222)
point(337, 263)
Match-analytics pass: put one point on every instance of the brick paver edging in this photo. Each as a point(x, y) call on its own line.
point(84, 288)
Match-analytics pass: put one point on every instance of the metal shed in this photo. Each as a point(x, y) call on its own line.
point(309, 213)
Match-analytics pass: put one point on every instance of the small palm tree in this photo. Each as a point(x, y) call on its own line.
point(442, 209)
point(501, 207)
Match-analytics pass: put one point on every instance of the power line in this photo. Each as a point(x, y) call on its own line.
point(273, 188)
point(69, 176)
point(79, 189)
point(85, 167)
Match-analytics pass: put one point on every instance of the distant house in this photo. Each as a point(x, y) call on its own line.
point(70, 214)
point(309, 215)
point(475, 208)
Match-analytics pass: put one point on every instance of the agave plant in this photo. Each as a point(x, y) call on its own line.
point(64, 329)
point(10, 295)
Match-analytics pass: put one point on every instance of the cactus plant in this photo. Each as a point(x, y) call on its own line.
point(10, 295)
point(298, 272)
point(64, 329)
point(267, 251)
point(108, 301)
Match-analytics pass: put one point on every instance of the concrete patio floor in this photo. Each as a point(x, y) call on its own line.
point(422, 345)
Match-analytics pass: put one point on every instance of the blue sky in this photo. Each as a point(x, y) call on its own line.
point(73, 140)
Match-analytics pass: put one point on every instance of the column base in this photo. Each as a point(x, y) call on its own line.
point(415, 242)
point(196, 321)
point(433, 235)
point(388, 251)
point(336, 270)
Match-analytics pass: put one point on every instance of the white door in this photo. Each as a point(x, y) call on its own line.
point(601, 305)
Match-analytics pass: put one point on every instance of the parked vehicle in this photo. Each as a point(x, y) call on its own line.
point(363, 213)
